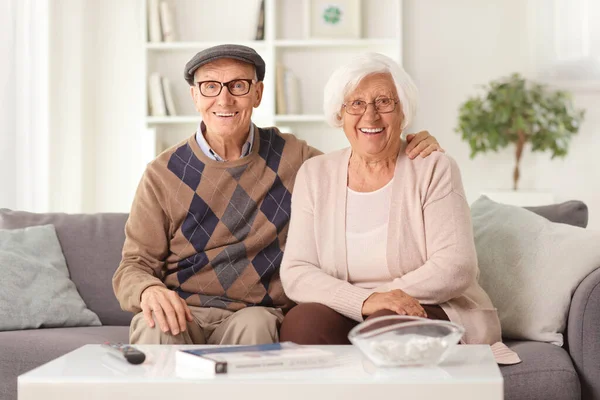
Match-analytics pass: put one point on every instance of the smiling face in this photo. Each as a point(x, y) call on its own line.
point(373, 134)
point(227, 115)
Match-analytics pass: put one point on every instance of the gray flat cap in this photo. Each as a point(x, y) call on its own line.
point(235, 51)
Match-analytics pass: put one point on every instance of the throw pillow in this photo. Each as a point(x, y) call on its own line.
point(530, 267)
point(573, 212)
point(36, 289)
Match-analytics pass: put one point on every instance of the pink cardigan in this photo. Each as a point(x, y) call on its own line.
point(430, 248)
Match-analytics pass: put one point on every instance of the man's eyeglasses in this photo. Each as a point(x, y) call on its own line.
point(383, 105)
point(237, 87)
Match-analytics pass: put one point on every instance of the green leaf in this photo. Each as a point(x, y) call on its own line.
point(492, 120)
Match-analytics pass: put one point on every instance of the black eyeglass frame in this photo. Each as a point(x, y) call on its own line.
point(226, 84)
point(345, 105)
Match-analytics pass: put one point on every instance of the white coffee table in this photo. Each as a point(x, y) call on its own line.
point(90, 373)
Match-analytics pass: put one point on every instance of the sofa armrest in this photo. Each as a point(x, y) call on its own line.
point(583, 334)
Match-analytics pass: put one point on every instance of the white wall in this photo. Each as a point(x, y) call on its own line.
point(450, 47)
point(8, 188)
point(97, 107)
point(113, 61)
point(67, 106)
point(24, 129)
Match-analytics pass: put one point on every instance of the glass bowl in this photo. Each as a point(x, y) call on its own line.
point(399, 340)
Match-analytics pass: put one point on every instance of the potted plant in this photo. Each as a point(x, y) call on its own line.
point(514, 110)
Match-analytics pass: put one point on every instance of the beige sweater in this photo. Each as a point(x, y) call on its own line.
point(212, 231)
point(430, 248)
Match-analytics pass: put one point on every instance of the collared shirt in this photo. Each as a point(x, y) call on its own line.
point(210, 153)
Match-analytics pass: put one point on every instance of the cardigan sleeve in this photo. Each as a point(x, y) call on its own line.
point(451, 265)
point(303, 278)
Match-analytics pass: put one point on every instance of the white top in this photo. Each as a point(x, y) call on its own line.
point(367, 218)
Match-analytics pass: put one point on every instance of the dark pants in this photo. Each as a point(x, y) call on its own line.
point(314, 323)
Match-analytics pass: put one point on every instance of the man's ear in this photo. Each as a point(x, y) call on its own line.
point(260, 86)
point(194, 92)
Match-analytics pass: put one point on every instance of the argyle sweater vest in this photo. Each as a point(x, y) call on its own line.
point(212, 231)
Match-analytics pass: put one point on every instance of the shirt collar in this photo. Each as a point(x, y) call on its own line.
point(210, 153)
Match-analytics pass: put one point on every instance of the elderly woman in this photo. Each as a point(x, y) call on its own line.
point(373, 233)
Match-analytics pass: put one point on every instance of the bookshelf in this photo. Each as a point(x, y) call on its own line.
point(200, 24)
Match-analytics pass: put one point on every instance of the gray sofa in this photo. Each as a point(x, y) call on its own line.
point(92, 247)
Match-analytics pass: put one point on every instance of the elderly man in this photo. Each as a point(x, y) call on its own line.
point(208, 225)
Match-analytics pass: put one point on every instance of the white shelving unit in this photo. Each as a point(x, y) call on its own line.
point(197, 46)
point(335, 43)
point(299, 118)
point(204, 23)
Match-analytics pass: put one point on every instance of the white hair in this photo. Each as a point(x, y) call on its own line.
point(347, 77)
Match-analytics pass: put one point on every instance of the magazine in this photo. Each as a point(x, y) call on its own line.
point(265, 357)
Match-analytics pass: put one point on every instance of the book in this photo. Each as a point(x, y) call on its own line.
point(166, 22)
point(260, 26)
point(287, 91)
point(280, 99)
point(265, 357)
point(154, 30)
point(158, 107)
point(291, 88)
point(169, 103)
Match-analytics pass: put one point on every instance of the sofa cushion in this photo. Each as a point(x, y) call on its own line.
point(530, 268)
point(21, 351)
point(573, 212)
point(92, 245)
point(36, 291)
point(546, 373)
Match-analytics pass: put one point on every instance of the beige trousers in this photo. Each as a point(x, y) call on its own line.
point(250, 325)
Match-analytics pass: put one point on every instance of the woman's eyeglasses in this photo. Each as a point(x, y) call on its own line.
point(382, 105)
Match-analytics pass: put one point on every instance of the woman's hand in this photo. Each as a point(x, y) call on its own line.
point(395, 300)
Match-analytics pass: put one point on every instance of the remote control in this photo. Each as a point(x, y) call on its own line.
point(125, 352)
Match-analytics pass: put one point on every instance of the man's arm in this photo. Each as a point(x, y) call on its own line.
point(145, 249)
point(310, 152)
point(138, 281)
point(422, 144)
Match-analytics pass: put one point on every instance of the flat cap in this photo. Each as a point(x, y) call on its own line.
point(235, 51)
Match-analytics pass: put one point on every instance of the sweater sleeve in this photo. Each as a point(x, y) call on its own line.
point(303, 278)
point(451, 265)
point(145, 249)
point(311, 152)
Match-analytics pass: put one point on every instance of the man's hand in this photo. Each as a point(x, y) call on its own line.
point(421, 144)
point(395, 300)
point(170, 310)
